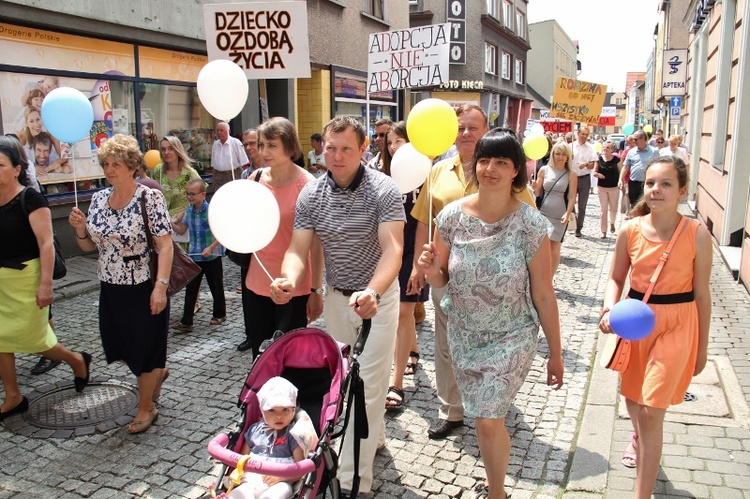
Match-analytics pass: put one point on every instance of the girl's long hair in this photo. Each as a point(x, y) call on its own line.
point(399, 128)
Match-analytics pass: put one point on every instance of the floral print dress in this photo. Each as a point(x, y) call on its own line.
point(492, 324)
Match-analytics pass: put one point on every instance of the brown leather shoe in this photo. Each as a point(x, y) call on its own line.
point(419, 313)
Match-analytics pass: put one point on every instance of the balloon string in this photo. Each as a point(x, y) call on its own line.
point(231, 159)
point(429, 191)
point(73, 169)
point(257, 259)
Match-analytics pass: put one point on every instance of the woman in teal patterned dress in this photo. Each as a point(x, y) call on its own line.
point(493, 252)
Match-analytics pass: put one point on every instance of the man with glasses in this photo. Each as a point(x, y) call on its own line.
point(379, 139)
point(250, 144)
point(658, 135)
point(635, 164)
point(584, 159)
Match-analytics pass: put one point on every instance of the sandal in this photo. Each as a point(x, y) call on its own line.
point(141, 426)
point(215, 321)
point(411, 367)
point(394, 401)
point(630, 459)
point(483, 490)
point(182, 328)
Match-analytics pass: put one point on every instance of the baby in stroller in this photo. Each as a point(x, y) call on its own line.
point(284, 435)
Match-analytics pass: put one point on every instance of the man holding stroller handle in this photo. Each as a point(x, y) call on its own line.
point(358, 215)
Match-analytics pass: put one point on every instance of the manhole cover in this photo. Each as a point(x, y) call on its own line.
point(690, 397)
point(65, 409)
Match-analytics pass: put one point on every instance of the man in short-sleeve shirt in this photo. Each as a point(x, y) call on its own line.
point(584, 159)
point(449, 180)
point(227, 157)
point(357, 214)
point(636, 161)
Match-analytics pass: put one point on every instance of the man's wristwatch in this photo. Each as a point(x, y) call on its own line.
point(373, 293)
point(163, 280)
point(317, 291)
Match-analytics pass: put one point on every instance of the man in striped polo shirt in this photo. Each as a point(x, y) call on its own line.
point(358, 215)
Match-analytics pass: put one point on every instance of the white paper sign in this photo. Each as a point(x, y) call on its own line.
point(408, 58)
point(674, 72)
point(266, 39)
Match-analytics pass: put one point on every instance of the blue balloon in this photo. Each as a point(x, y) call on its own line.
point(632, 319)
point(67, 114)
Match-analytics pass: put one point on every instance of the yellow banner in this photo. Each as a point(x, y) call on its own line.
point(578, 100)
point(31, 47)
point(169, 64)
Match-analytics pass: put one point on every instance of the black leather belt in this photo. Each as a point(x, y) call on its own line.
point(345, 292)
point(663, 299)
point(9, 264)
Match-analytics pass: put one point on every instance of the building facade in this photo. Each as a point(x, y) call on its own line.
point(496, 29)
point(716, 120)
point(138, 63)
point(671, 35)
point(552, 54)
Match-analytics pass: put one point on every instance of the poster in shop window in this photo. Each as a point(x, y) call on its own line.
point(265, 39)
point(52, 161)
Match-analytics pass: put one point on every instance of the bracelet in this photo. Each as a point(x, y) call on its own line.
point(84, 237)
point(604, 311)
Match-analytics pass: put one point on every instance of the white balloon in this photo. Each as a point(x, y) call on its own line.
point(409, 168)
point(222, 89)
point(244, 216)
point(537, 129)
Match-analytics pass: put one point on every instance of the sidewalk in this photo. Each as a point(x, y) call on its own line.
point(566, 443)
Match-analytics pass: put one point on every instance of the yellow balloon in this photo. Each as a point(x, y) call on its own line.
point(648, 129)
point(152, 158)
point(432, 127)
point(598, 147)
point(535, 146)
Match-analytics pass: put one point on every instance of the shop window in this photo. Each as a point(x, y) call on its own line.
point(506, 66)
point(176, 110)
point(490, 58)
point(350, 94)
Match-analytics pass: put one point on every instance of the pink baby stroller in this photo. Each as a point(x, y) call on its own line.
point(322, 370)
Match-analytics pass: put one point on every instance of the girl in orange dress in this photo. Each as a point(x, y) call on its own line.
point(663, 363)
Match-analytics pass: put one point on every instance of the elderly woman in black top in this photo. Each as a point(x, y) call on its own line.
point(26, 280)
point(133, 312)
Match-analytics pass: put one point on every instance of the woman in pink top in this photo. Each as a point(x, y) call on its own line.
point(278, 144)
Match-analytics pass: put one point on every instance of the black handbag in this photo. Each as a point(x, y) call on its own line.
point(60, 269)
point(243, 259)
point(184, 269)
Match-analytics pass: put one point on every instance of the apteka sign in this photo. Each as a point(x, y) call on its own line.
point(408, 58)
point(266, 39)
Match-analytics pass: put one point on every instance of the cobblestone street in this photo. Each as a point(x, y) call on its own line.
point(566, 443)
